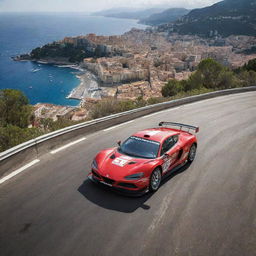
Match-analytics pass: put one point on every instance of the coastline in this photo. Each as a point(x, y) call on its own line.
point(88, 86)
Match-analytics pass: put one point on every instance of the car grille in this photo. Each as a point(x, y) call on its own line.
point(107, 180)
point(127, 185)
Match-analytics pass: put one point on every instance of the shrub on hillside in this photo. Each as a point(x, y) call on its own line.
point(208, 72)
point(154, 100)
point(11, 136)
point(210, 75)
point(172, 88)
point(227, 80)
point(14, 108)
point(49, 125)
point(193, 83)
point(250, 66)
point(111, 106)
point(247, 78)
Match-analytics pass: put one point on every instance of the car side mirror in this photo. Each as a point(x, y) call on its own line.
point(119, 143)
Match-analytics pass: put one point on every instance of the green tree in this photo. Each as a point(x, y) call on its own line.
point(226, 80)
point(193, 83)
point(14, 108)
point(172, 88)
point(208, 71)
point(11, 136)
point(251, 65)
point(247, 78)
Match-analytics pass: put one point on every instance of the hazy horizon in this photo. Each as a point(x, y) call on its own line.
point(96, 5)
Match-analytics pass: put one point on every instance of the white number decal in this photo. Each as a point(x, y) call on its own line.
point(121, 161)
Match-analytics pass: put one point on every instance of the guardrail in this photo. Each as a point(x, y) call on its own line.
point(15, 157)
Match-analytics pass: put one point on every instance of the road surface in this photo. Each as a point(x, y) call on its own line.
point(206, 209)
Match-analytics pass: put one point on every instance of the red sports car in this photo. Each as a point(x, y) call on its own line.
point(138, 164)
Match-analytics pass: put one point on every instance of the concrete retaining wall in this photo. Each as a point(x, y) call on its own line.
point(16, 157)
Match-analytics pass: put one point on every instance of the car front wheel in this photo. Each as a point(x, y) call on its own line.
point(155, 179)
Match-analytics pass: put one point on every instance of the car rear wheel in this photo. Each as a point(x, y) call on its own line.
point(155, 180)
point(192, 153)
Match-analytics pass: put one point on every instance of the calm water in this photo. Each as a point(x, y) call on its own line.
point(20, 33)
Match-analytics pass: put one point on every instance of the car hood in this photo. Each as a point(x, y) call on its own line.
point(115, 165)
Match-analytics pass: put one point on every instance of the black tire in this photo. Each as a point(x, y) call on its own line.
point(192, 153)
point(155, 180)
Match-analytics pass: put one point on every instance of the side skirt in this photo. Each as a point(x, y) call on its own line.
point(175, 169)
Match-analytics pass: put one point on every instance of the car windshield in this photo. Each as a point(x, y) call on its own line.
point(139, 147)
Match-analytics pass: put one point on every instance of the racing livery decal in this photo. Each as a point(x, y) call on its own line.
point(169, 161)
point(166, 165)
point(122, 160)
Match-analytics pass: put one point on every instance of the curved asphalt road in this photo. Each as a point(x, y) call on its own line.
point(206, 209)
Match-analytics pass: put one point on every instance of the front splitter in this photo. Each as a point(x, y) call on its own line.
point(122, 191)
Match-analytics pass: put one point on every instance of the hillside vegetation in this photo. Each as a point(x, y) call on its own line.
point(15, 116)
point(71, 53)
point(229, 17)
point(212, 75)
point(169, 15)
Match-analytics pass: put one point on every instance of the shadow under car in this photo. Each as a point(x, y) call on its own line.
point(105, 197)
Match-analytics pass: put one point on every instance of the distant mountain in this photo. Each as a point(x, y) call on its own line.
point(169, 15)
point(229, 17)
point(127, 13)
point(114, 11)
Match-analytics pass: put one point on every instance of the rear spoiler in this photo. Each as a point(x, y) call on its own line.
point(190, 127)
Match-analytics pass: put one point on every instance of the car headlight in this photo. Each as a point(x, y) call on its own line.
point(135, 176)
point(94, 165)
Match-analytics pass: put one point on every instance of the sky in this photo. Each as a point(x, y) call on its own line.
point(94, 5)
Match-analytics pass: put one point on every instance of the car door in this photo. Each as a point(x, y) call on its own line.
point(170, 153)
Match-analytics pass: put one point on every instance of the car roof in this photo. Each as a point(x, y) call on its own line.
point(156, 134)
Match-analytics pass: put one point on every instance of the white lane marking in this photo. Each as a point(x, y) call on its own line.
point(113, 127)
point(162, 111)
point(18, 171)
point(67, 145)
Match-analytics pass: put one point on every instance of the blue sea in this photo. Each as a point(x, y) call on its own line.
point(21, 32)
